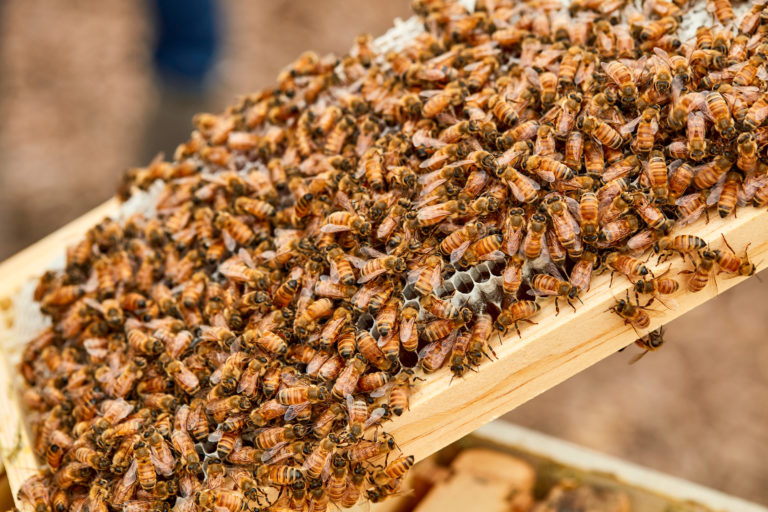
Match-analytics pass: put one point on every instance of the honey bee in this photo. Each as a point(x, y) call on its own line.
point(600, 131)
point(679, 180)
point(633, 315)
point(618, 229)
point(709, 174)
point(627, 265)
point(697, 144)
point(649, 213)
point(547, 285)
point(568, 65)
point(622, 76)
point(682, 244)
point(729, 262)
point(747, 152)
point(537, 227)
point(574, 148)
point(756, 113)
point(723, 10)
point(230, 500)
point(503, 110)
point(681, 110)
point(589, 215)
point(336, 138)
point(451, 95)
point(581, 274)
point(702, 272)
point(346, 382)
point(519, 311)
point(548, 167)
point(371, 351)
point(657, 28)
point(300, 395)
point(565, 227)
point(146, 470)
point(524, 188)
point(719, 113)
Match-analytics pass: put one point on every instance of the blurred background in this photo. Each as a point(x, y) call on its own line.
point(88, 89)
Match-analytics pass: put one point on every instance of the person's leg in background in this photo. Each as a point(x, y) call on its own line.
point(185, 52)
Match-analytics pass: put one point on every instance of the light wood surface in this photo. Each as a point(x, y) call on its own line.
point(443, 411)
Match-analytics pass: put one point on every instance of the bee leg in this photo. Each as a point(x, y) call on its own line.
point(492, 352)
point(627, 322)
point(571, 304)
point(557, 307)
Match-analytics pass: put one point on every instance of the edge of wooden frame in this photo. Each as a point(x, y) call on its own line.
point(646, 479)
point(443, 409)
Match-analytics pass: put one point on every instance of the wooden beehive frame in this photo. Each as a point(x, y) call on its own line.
point(443, 409)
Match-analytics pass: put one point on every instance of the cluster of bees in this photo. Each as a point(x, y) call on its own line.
point(240, 349)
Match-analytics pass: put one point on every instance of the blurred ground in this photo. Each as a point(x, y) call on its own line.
point(78, 105)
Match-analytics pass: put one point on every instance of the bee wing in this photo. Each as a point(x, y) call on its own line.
point(458, 163)
point(325, 474)
point(517, 192)
point(547, 57)
point(430, 92)
point(334, 272)
point(130, 475)
point(422, 139)
point(354, 260)
point(751, 185)
point(493, 255)
point(383, 390)
point(508, 156)
point(385, 339)
point(406, 329)
point(294, 410)
point(432, 186)
point(458, 252)
point(533, 77)
point(375, 417)
point(333, 228)
point(350, 404)
point(641, 241)
point(161, 466)
point(705, 111)
point(413, 275)
point(370, 251)
point(93, 303)
point(573, 207)
point(762, 73)
point(662, 54)
point(717, 190)
point(431, 212)
point(626, 129)
point(486, 49)
point(638, 357)
point(268, 455)
point(433, 160)
point(423, 352)
point(547, 176)
point(667, 301)
point(437, 275)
